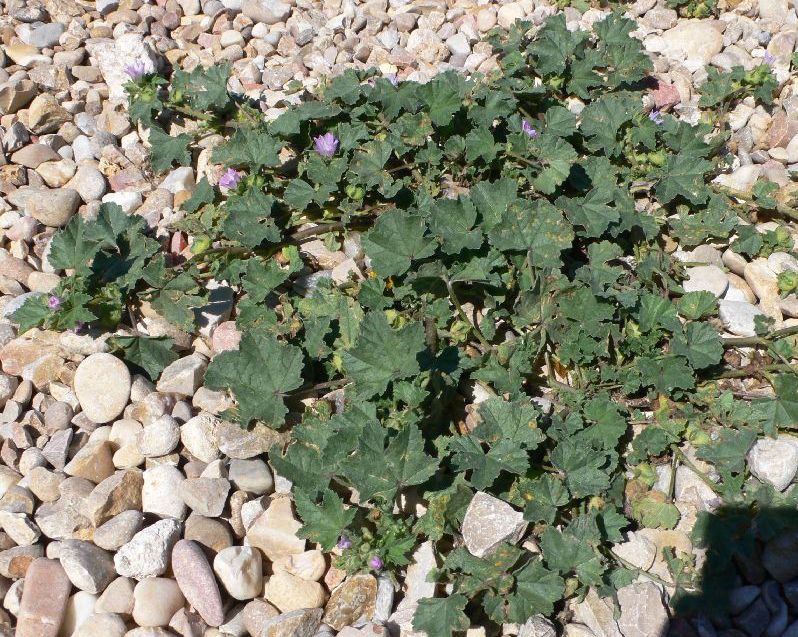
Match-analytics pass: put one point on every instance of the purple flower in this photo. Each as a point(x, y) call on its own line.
point(769, 58)
point(393, 79)
point(54, 302)
point(344, 543)
point(78, 327)
point(230, 179)
point(528, 129)
point(375, 563)
point(135, 70)
point(656, 117)
point(326, 144)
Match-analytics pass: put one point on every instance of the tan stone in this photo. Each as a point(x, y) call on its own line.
point(93, 462)
point(274, 532)
point(288, 592)
point(118, 492)
point(351, 602)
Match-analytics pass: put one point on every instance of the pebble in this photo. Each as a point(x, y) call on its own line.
point(739, 317)
point(488, 522)
point(161, 492)
point(289, 593)
point(240, 570)
point(274, 531)
point(155, 600)
point(706, 278)
point(159, 437)
point(352, 602)
point(102, 385)
point(205, 496)
point(148, 553)
point(774, 461)
point(88, 567)
point(196, 581)
point(119, 530)
point(252, 476)
point(184, 376)
point(44, 599)
point(53, 207)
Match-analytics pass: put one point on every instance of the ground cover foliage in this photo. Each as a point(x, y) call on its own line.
point(514, 251)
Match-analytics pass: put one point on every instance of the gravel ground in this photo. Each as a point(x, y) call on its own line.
point(129, 508)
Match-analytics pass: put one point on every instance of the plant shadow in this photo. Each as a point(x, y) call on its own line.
point(747, 584)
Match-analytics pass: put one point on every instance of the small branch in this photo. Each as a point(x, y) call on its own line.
point(767, 339)
point(689, 464)
point(747, 372)
point(748, 199)
point(303, 236)
point(330, 384)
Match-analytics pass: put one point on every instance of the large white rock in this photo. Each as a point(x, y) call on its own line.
point(102, 386)
point(240, 570)
point(643, 612)
point(774, 461)
point(113, 55)
point(488, 522)
point(147, 554)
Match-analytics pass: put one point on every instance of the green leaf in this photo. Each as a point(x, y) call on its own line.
point(152, 354)
point(493, 198)
point(377, 471)
point(253, 149)
point(206, 88)
point(382, 354)
point(323, 523)
point(203, 194)
point(729, 451)
point(166, 150)
point(71, 248)
point(453, 221)
point(443, 96)
point(544, 496)
point(513, 421)
point(441, 616)
point(538, 227)
point(683, 177)
point(567, 554)
point(586, 470)
point(652, 511)
point(700, 344)
point(395, 241)
point(467, 454)
point(657, 311)
point(250, 219)
point(32, 313)
point(259, 374)
point(696, 305)
point(537, 590)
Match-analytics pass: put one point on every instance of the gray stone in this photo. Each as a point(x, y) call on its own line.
point(739, 317)
point(147, 554)
point(88, 567)
point(184, 376)
point(488, 522)
point(53, 207)
point(205, 496)
point(266, 11)
point(774, 461)
point(643, 612)
point(741, 598)
point(45, 35)
point(119, 530)
point(708, 278)
point(780, 557)
point(754, 620)
point(538, 626)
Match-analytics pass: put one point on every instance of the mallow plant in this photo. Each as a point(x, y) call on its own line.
point(511, 319)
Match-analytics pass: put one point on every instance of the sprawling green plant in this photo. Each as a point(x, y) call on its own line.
point(514, 230)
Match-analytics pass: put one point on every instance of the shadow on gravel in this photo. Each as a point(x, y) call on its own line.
point(748, 585)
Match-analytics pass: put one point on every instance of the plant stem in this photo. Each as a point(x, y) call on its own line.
point(748, 341)
point(475, 328)
point(688, 463)
point(748, 199)
point(748, 372)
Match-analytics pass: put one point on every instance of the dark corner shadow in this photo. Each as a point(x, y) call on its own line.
point(747, 585)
